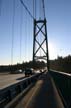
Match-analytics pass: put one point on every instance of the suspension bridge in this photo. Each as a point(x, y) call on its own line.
point(27, 40)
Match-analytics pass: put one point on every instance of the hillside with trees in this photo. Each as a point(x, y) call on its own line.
point(59, 64)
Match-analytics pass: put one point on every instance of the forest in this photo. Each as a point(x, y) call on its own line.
point(60, 64)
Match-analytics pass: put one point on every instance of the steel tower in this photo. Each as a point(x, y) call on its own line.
point(40, 28)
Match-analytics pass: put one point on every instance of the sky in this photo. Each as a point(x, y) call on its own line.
point(16, 24)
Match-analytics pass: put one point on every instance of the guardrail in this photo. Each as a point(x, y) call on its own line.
point(63, 84)
point(9, 93)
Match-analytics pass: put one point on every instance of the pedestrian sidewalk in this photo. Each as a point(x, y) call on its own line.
point(43, 95)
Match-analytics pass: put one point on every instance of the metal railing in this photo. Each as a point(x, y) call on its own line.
point(9, 93)
point(63, 84)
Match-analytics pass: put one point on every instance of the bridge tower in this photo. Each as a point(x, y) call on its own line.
point(40, 41)
point(43, 45)
point(40, 46)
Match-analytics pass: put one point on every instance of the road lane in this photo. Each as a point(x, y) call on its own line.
point(8, 79)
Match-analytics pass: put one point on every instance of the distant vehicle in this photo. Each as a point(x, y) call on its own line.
point(18, 71)
point(28, 72)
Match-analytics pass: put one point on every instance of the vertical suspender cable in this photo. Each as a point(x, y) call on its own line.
point(26, 35)
point(13, 32)
point(35, 9)
point(29, 34)
point(20, 31)
point(0, 6)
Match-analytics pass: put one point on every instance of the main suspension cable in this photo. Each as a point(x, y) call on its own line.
point(27, 9)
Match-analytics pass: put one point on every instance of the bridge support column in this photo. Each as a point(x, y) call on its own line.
point(40, 42)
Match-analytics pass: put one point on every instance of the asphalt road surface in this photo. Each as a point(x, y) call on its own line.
point(8, 79)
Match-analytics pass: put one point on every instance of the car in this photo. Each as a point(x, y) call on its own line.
point(18, 71)
point(28, 72)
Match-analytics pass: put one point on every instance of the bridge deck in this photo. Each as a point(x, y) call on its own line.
point(43, 95)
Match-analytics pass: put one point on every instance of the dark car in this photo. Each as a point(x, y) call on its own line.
point(28, 72)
